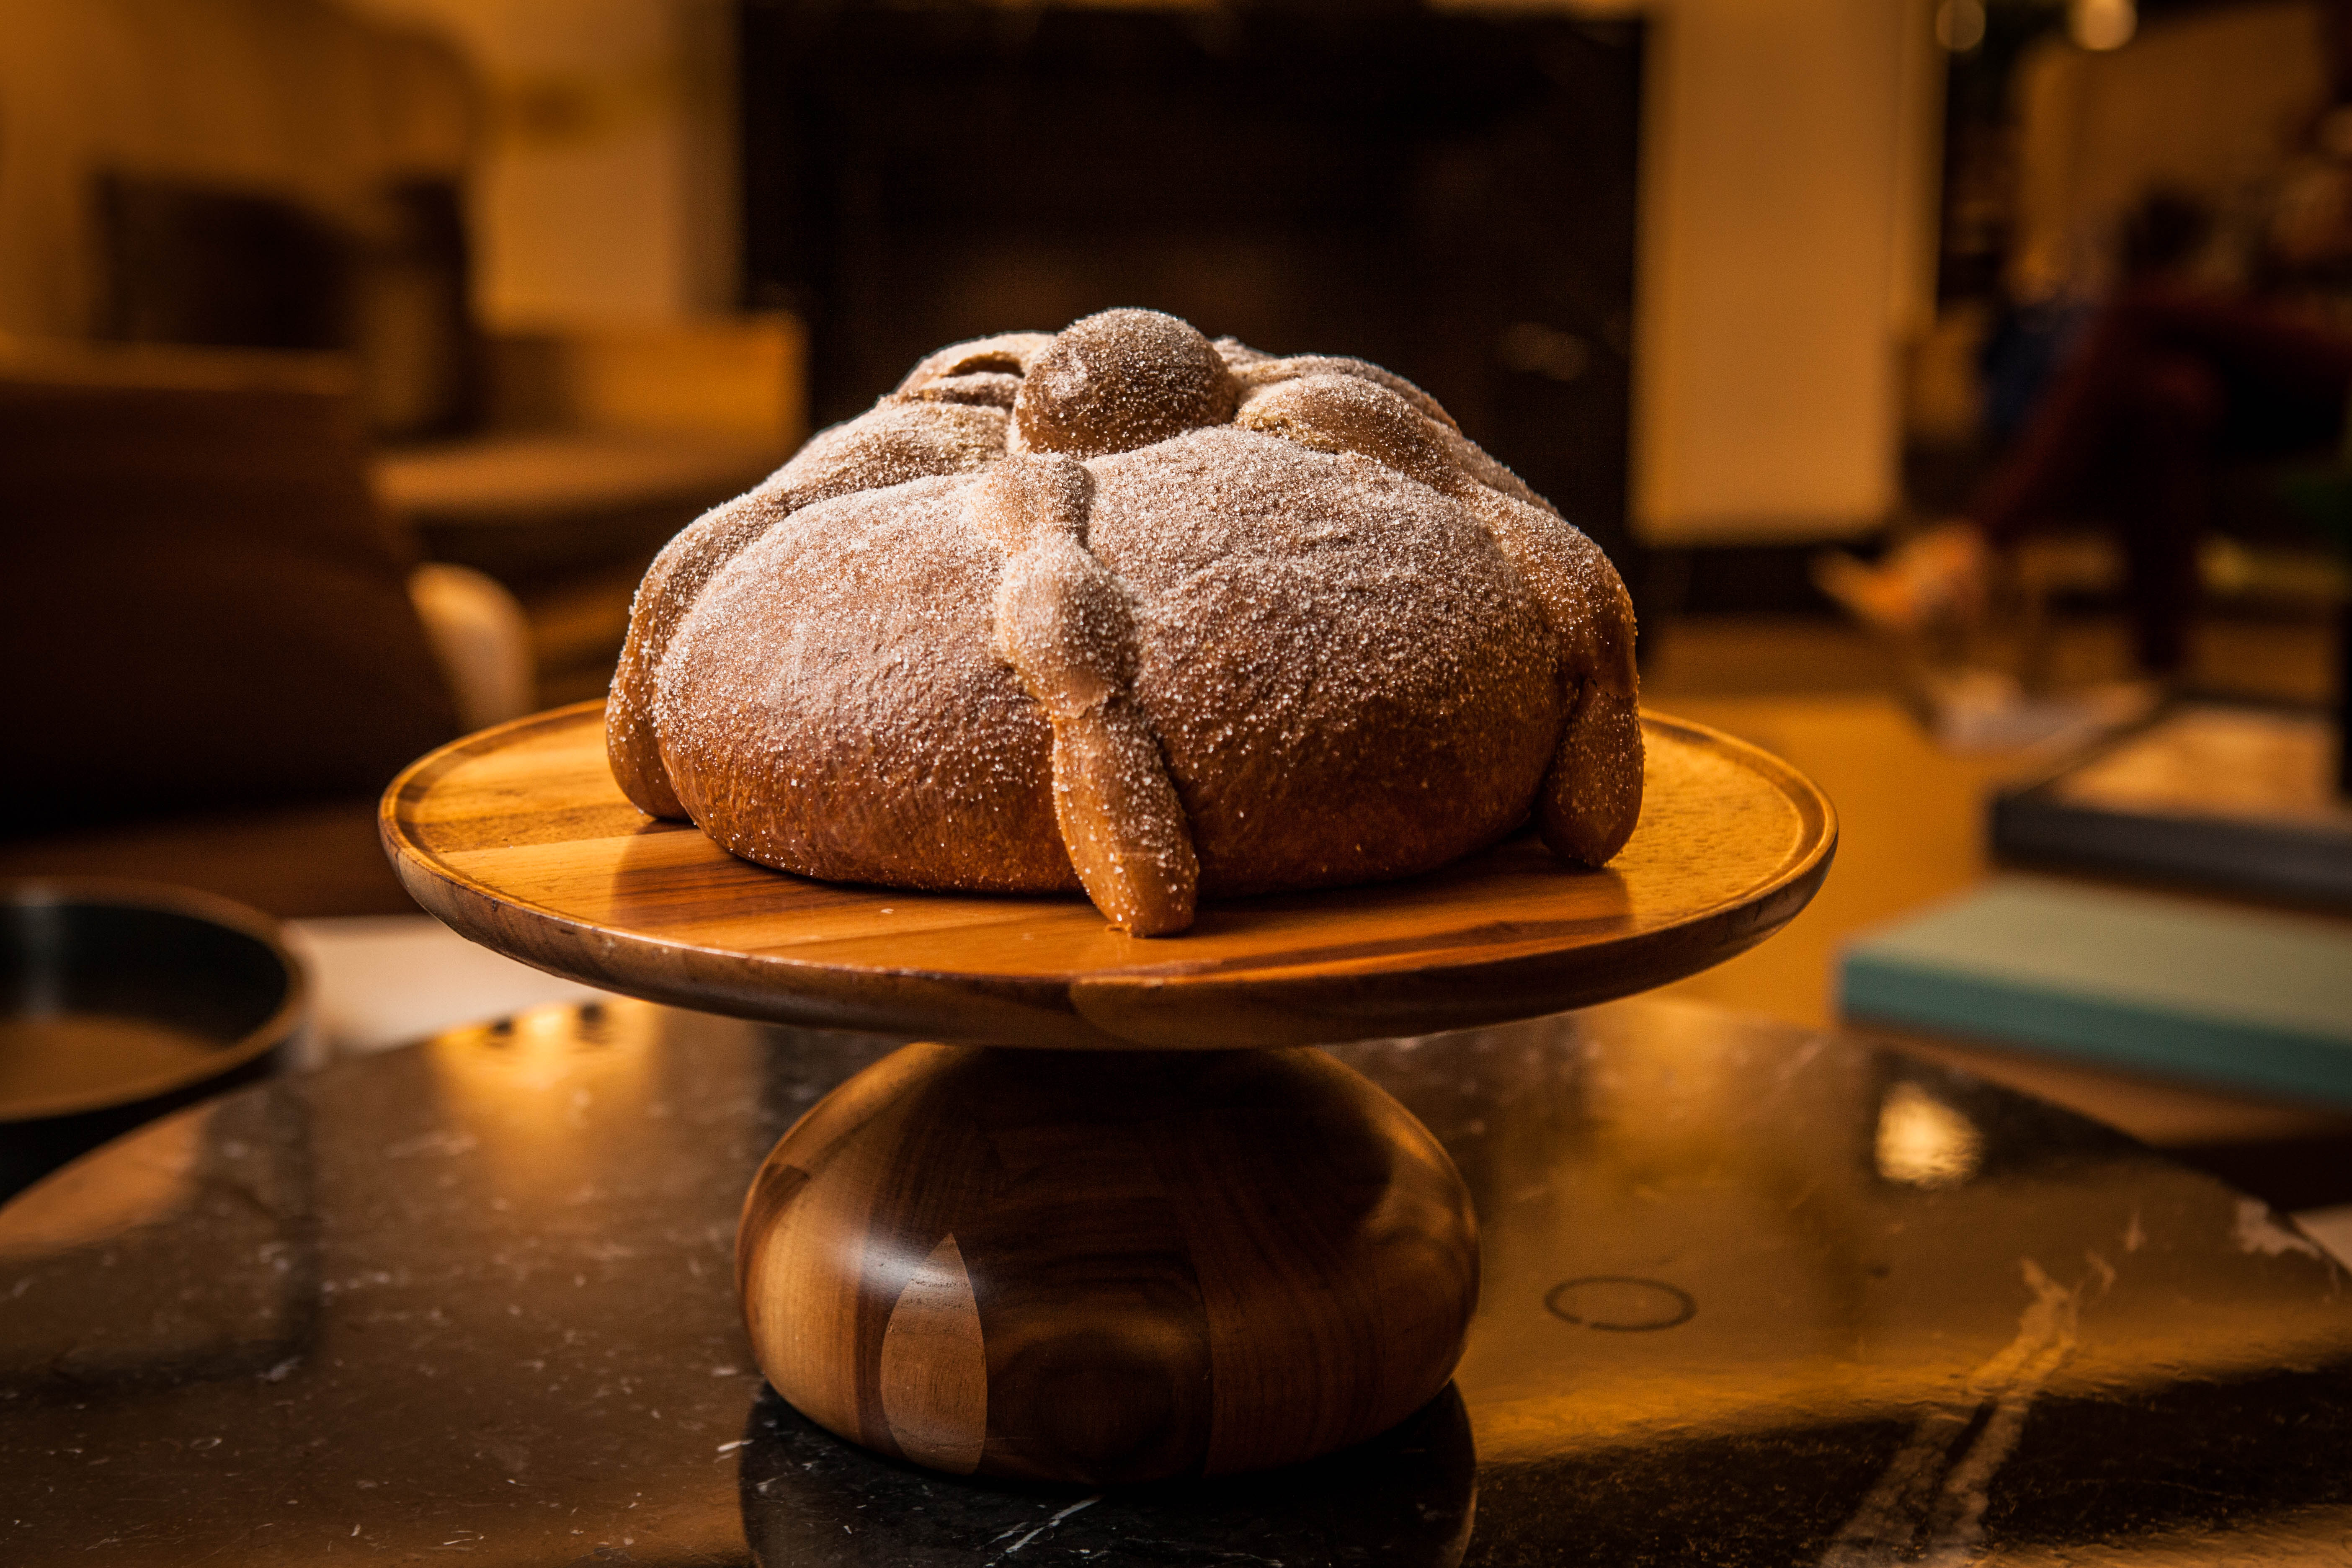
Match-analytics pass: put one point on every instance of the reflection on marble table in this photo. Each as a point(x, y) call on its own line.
point(1752, 1295)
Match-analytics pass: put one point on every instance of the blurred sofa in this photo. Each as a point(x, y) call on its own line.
point(267, 579)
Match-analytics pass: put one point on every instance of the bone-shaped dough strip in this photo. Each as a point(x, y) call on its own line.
point(1066, 625)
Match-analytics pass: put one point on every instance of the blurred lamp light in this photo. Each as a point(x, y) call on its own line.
point(2335, 134)
point(1923, 1142)
point(2102, 24)
point(1961, 24)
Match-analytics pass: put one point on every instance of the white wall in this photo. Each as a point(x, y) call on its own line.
point(1790, 182)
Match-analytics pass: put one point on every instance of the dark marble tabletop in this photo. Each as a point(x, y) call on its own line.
point(1751, 1295)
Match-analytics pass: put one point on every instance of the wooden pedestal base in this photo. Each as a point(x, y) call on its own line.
point(1105, 1266)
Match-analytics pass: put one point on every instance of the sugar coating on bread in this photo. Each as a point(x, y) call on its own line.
point(1067, 627)
point(1593, 794)
point(1118, 381)
point(875, 735)
point(1349, 681)
point(897, 442)
point(1121, 609)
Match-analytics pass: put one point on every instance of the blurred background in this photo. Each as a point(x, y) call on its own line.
point(356, 356)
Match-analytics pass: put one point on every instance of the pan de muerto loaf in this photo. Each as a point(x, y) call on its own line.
point(1122, 609)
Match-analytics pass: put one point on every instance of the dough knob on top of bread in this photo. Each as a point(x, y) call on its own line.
point(1118, 381)
point(1123, 611)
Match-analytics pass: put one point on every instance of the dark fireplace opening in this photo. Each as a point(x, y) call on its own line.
point(1448, 193)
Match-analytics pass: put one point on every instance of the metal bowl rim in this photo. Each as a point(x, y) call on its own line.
point(163, 898)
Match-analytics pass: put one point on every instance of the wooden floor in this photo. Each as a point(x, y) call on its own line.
point(1831, 701)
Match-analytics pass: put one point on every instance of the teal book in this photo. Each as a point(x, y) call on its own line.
point(2248, 998)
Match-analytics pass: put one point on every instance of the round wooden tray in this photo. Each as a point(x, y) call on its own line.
point(519, 838)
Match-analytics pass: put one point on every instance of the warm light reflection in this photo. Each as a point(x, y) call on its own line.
point(522, 1089)
point(2290, 1538)
point(1923, 1143)
point(1623, 1200)
point(1661, 1110)
point(1961, 24)
point(2102, 24)
point(148, 1178)
point(1841, 1254)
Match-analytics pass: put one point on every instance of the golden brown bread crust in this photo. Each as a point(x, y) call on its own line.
point(876, 736)
point(897, 442)
point(1593, 794)
point(1121, 609)
point(1348, 681)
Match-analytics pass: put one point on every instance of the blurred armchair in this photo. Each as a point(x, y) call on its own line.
point(594, 447)
point(217, 661)
point(290, 175)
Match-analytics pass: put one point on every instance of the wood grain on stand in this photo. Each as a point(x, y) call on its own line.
point(519, 838)
point(1107, 1267)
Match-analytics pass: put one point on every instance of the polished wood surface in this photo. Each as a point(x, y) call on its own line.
point(518, 838)
point(1107, 1267)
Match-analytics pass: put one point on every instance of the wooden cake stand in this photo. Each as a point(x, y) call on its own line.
point(1123, 1228)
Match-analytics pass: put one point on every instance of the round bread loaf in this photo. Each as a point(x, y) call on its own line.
point(1124, 610)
